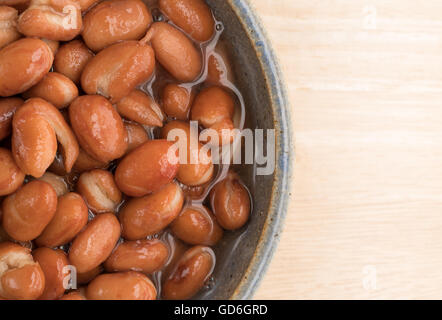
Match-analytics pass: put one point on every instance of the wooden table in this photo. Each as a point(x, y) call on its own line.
point(365, 80)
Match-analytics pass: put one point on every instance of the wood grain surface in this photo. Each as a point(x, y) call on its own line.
point(365, 81)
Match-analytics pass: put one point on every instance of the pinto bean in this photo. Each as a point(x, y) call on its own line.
point(230, 202)
point(197, 170)
point(142, 217)
point(8, 106)
point(57, 182)
point(141, 108)
point(58, 20)
point(193, 16)
point(53, 263)
point(116, 70)
point(69, 219)
point(71, 59)
point(20, 276)
point(197, 226)
point(54, 88)
point(177, 101)
point(145, 256)
point(121, 286)
point(8, 26)
point(98, 127)
point(176, 53)
point(23, 63)
point(99, 190)
point(11, 177)
point(189, 274)
point(95, 243)
point(113, 21)
point(86, 163)
point(136, 136)
point(27, 212)
point(37, 126)
point(147, 169)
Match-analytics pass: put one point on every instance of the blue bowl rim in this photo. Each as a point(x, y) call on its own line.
point(277, 211)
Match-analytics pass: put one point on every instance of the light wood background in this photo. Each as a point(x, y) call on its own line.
point(365, 80)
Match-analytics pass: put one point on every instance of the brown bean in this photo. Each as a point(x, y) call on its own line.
point(37, 125)
point(177, 101)
point(197, 226)
point(54, 265)
point(116, 70)
point(86, 4)
point(193, 16)
point(8, 26)
point(176, 53)
point(86, 163)
point(142, 217)
point(195, 171)
point(121, 286)
point(54, 88)
point(99, 190)
point(52, 44)
point(113, 21)
point(147, 256)
point(136, 136)
point(212, 105)
point(74, 295)
point(29, 210)
point(8, 106)
point(214, 108)
point(98, 127)
point(11, 177)
point(95, 243)
point(71, 59)
point(189, 274)
point(86, 277)
point(69, 219)
point(147, 169)
point(20, 276)
point(141, 108)
point(57, 182)
point(51, 19)
point(219, 66)
point(230, 202)
point(23, 64)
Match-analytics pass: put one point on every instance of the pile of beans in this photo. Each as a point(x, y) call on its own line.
point(89, 92)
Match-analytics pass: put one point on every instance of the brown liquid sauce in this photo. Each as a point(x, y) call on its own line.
point(195, 196)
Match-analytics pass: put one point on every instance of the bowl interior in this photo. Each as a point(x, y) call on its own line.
point(235, 252)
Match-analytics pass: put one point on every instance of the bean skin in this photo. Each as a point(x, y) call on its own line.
point(197, 226)
point(95, 243)
point(121, 286)
point(113, 21)
point(98, 127)
point(230, 202)
point(145, 256)
point(174, 51)
point(8, 106)
point(69, 219)
point(28, 211)
point(193, 16)
point(146, 169)
point(142, 217)
point(189, 274)
point(116, 70)
point(11, 177)
point(23, 64)
point(71, 59)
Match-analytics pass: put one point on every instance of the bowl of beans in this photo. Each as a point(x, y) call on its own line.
point(145, 150)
